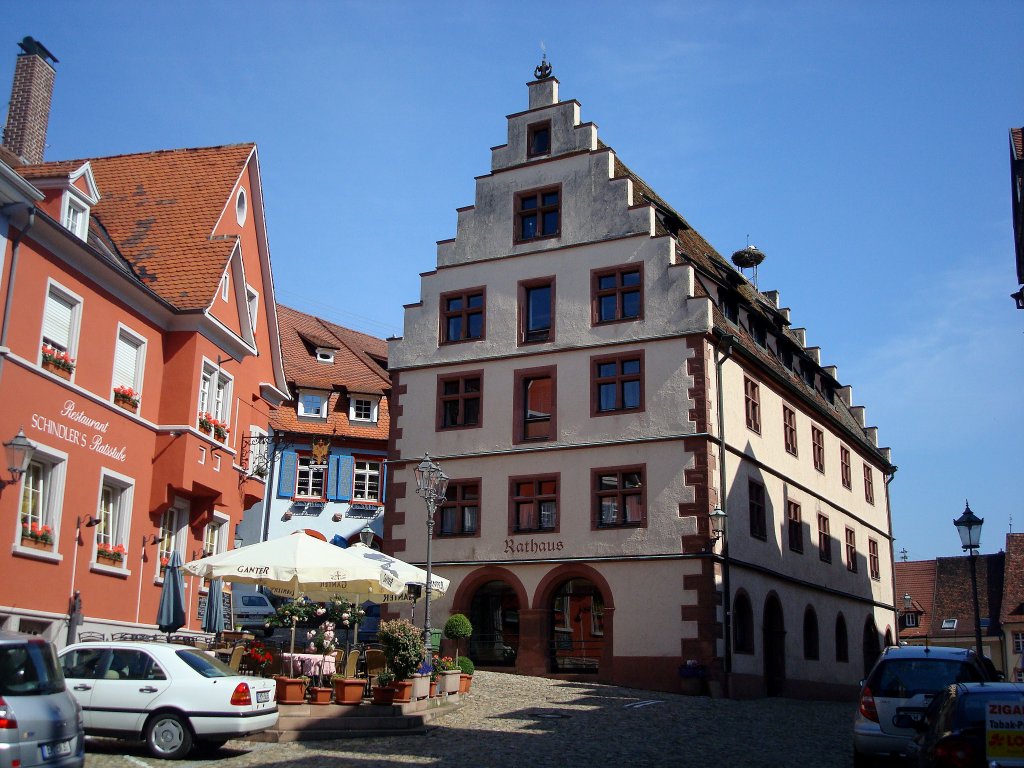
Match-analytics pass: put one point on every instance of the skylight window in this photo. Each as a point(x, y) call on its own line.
point(949, 623)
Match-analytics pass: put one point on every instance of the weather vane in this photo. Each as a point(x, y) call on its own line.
point(543, 70)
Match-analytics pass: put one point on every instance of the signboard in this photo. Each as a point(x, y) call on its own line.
point(1004, 729)
point(225, 601)
point(77, 427)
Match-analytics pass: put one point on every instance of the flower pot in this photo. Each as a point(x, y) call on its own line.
point(433, 688)
point(403, 691)
point(35, 544)
point(464, 682)
point(56, 370)
point(108, 559)
point(319, 695)
point(449, 681)
point(205, 430)
point(291, 690)
point(420, 686)
point(384, 695)
point(348, 690)
point(128, 405)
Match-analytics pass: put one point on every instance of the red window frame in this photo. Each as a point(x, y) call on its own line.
point(851, 550)
point(824, 540)
point(789, 429)
point(619, 493)
point(539, 210)
point(844, 467)
point(619, 291)
point(869, 484)
point(618, 380)
point(461, 397)
point(752, 404)
point(873, 563)
point(523, 424)
point(758, 511)
point(533, 489)
point(538, 336)
point(795, 527)
point(463, 313)
point(531, 133)
point(462, 494)
point(818, 448)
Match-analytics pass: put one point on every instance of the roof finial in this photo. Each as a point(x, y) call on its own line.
point(543, 70)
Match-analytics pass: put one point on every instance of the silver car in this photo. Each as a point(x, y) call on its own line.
point(897, 692)
point(40, 721)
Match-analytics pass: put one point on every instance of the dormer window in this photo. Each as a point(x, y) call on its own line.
point(76, 217)
point(538, 139)
point(312, 404)
point(324, 355)
point(730, 308)
point(910, 620)
point(363, 408)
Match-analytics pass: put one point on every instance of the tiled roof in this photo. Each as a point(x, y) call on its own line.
point(917, 579)
point(953, 599)
point(159, 210)
point(1017, 140)
point(1013, 579)
point(355, 370)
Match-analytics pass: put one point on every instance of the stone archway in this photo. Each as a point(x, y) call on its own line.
point(870, 645)
point(774, 645)
point(575, 603)
point(494, 613)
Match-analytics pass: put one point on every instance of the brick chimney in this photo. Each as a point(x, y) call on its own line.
point(29, 111)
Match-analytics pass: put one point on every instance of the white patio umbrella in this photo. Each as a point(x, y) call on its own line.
point(398, 574)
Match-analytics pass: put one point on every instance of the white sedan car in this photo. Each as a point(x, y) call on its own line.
point(175, 697)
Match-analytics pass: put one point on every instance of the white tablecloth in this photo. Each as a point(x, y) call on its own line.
point(309, 664)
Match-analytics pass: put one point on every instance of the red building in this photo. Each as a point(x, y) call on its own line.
point(139, 351)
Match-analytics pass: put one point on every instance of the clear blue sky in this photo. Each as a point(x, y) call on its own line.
point(862, 146)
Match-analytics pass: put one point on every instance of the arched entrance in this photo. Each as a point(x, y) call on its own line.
point(871, 646)
point(494, 613)
point(577, 627)
point(774, 631)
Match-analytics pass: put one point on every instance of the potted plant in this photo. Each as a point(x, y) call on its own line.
point(206, 423)
point(58, 362)
point(127, 398)
point(403, 650)
point(35, 535)
point(458, 628)
point(259, 657)
point(421, 681)
point(466, 670)
point(450, 674)
point(384, 691)
point(114, 554)
point(347, 690)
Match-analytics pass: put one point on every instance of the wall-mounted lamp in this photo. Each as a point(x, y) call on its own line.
point(150, 539)
point(88, 521)
point(718, 521)
point(19, 453)
point(366, 536)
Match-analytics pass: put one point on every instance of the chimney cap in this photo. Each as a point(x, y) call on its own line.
point(33, 47)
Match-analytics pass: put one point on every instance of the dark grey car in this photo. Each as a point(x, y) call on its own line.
point(40, 721)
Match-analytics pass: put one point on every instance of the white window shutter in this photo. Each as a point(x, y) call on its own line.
point(57, 320)
point(126, 361)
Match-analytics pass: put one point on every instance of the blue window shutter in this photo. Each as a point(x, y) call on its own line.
point(345, 465)
point(333, 473)
point(286, 479)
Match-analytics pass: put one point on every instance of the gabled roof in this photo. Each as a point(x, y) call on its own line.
point(953, 598)
point(916, 579)
point(159, 210)
point(1013, 579)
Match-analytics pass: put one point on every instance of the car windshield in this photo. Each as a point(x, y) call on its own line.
point(29, 669)
point(204, 664)
point(902, 678)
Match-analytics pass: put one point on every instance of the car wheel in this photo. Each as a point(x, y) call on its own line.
point(168, 736)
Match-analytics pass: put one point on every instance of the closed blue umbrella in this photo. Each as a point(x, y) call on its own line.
point(213, 619)
point(170, 616)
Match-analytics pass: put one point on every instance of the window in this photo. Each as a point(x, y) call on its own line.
point(618, 383)
point(60, 320)
point(869, 485)
point(312, 404)
point(810, 634)
point(949, 624)
point(796, 528)
point(851, 550)
point(538, 139)
point(729, 306)
point(256, 450)
point(240, 207)
point(213, 539)
point(743, 624)
point(759, 333)
point(225, 282)
point(462, 316)
point(818, 448)
point(533, 503)
point(128, 359)
point(215, 393)
point(252, 300)
point(824, 540)
point(910, 620)
point(363, 408)
point(309, 478)
point(534, 405)
point(873, 566)
point(617, 294)
point(1018, 642)
point(789, 429)
point(536, 310)
point(460, 512)
point(842, 641)
point(844, 466)
point(758, 522)
point(458, 400)
point(752, 404)
point(366, 480)
point(76, 217)
point(538, 214)
point(325, 355)
point(114, 513)
point(172, 536)
point(619, 497)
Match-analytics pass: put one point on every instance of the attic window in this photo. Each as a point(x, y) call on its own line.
point(785, 354)
point(363, 408)
point(728, 306)
point(76, 217)
point(949, 623)
point(312, 404)
point(538, 139)
point(910, 620)
point(808, 373)
point(241, 207)
point(324, 355)
point(759, 332)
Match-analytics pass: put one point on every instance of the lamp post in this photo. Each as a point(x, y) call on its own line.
point(431, 484)
point(19, 452)
point(719, 532)
point(968, 525)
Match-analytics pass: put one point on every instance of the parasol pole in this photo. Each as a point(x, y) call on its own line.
point(291, 655)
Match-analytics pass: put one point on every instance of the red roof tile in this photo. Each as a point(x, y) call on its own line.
point(1013, 579)
point(160, 210)
point(917, 579)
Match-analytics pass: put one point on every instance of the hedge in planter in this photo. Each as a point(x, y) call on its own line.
point(403, 647)
point(457, 628)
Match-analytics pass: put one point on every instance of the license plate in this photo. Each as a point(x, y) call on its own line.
point(907, 718)
point(262, 697)
point(57, 749)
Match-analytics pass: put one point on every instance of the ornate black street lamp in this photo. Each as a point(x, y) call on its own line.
point(431, 484)
point(968, 525)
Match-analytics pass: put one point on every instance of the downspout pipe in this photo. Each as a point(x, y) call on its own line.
point(892, 555)
point(15, 247)
point(724, 350)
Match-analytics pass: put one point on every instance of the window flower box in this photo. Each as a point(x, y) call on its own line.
point(58, 362)
point(36, 536)
point(126, 398)
point(111, 554)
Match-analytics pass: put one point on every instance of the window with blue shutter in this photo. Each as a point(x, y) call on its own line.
point(286, 479)
point(340, 480)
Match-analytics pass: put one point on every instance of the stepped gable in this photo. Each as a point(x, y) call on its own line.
point(158, 210)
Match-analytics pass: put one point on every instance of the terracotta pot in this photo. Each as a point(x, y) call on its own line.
point(56, 370)
point(205, 430)
point(464, 682)
point(33, 544)
point(320, 695)
point(108, 560)
point(291, 690)
point(127, 405)
point(384, 695)
point(403, 691)
point(433, 688)
point(348, 690)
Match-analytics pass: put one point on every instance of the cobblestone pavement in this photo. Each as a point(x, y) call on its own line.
point(511, 720)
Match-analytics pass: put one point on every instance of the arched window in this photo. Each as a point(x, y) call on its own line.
point(743, 624)
point(842, 641)
point(810, 634)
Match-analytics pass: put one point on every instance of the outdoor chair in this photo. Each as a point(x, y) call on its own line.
point(351, 664)
point(236, 657)
point(375, 664)
point(276, 666)
point(339, 662)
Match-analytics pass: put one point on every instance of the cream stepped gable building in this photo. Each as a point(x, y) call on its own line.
point(565, 367)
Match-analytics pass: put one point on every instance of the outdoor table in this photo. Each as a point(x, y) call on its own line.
point(309, 664)
point(232, 636)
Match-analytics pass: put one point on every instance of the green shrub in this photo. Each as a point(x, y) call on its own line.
point(403, 647)
point(456, 628)
point(466, 665)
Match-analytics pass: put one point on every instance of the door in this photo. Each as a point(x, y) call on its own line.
point(774, 647)
point(128, 691)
